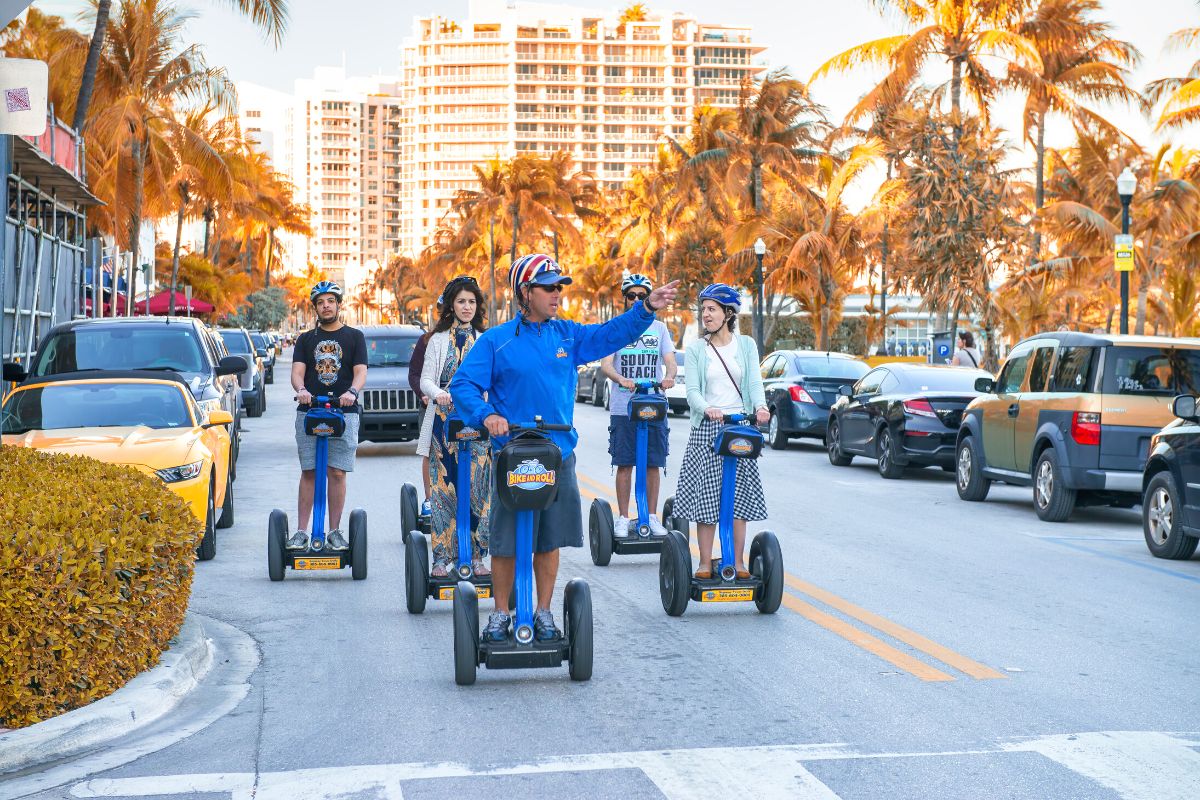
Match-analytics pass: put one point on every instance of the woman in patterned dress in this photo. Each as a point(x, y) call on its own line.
point(722, 378)
point(460, 322)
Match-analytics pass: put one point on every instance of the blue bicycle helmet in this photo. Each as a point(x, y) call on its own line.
point(325, 287)
point(636, 280)
point(722, 294)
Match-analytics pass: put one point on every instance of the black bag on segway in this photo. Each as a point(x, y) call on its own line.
point(459, 431)
point(527, 471)
point(738, 441)
point(324, 422)
point(648, 408)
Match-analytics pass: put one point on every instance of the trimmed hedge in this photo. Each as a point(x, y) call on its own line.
point(95, 570)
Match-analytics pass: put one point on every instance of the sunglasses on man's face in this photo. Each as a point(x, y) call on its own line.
point(633, 297)
point(557, 287)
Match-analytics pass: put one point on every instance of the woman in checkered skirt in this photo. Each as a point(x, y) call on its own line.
point(722, 378)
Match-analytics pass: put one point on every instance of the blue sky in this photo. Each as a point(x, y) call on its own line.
point(366, 35)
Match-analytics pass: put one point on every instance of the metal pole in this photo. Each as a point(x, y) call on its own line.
point(758, 304)
point(1125, 275)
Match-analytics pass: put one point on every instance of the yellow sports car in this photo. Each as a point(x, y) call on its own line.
point(148, 421)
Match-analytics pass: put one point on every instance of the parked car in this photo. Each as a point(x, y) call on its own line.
point(238, 343)
point(677, 394)
point(146, 420)
point(1072, 415)
point(901, 415)
point(390, 407)
point(801, 386)
point(264, 341)
point(1171, 484)
point(592, 386)
point(164, 344)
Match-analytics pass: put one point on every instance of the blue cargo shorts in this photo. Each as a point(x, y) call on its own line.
point(341, 448)
point(622, 442)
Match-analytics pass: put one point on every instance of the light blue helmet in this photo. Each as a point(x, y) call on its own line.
point(722, 294)
point(325, 287)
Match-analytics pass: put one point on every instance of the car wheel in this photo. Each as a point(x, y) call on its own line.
point(968, 472)
point(607, 395)
point(886, 461)
point(207, 548)
point(833, 445)
point(1052, 499)
point(597, 399)
point(1161, 523)
point(775, 435)
point(226, 520)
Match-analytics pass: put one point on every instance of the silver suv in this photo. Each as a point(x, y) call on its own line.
point(390, 407)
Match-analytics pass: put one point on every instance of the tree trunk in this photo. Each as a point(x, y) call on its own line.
point(208, 219)
point(756, 186)
point(138, 151)
point(270, 253)
point(183, 201)
point(956, 87)
point(953, 329)
point(87, 81)
point(1039, 191)
point(1139, 325)
point(515, 213)
point(216, 255)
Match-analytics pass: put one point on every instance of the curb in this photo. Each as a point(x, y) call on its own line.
point(147, 697)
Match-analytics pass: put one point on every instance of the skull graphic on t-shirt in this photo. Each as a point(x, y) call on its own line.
point(328, 354)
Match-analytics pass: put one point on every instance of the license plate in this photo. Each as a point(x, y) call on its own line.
point(324, 562)
point(447, 592)
point(727, 595)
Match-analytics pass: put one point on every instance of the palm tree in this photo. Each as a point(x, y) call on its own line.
point(1179, 97)
point(270, 15)
point(1080, 62)
point(962, 32)
point(698, 184)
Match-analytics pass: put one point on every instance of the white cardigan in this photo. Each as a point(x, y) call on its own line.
point(436, 354)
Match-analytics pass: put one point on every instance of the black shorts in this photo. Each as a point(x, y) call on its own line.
point(622, 442)
point(560, 525)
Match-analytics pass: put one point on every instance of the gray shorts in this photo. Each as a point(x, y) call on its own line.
point(341, 449)
point(560, 525)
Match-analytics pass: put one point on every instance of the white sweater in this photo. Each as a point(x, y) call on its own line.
point(436, 354)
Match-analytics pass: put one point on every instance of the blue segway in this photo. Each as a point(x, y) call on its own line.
point(645, 408)
point(418, 583)
point(676, 583)
point(526, 474)
point(323, 421)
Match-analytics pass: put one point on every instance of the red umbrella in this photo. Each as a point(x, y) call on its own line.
point(161, 304)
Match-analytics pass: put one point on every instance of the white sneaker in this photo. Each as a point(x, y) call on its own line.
point(621, 528)
point(656, 527)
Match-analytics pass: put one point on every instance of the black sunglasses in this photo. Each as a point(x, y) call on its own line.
point(633, 296)
point(557, 287)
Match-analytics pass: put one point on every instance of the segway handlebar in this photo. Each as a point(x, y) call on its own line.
point(644, 387)
point(733, 419)
point(536, 425)
point(319, 400)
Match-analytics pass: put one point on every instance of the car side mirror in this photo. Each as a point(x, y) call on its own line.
point(219, 417)
point(261, 352)
point(985, 385)
point(14, 373)
point(232, 365)
point(846, 390)
point(1184, 407)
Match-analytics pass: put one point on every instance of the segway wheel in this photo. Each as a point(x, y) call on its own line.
point(408, 510)
point(277, 531)
point(577, 611)
point(674, 574)
point(671, 522)
point(600, 532)
point(416, 572)
point(766, 562)
point(466, 633)
point(358, 544)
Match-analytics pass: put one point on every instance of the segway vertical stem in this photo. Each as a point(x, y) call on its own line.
point(523, 583)
point(725, 518)
point(462, 516)
point(643, 506)
point(319, 499)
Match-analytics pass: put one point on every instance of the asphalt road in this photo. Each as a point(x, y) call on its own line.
point(926, 648)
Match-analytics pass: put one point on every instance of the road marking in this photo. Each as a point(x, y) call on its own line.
point(857, 637)
point(1136, 765)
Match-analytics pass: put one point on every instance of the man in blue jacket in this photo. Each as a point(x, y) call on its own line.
point(527, 367)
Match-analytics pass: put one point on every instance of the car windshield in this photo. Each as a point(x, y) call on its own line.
point(941, 380)
point(821, 367)
point(121, 347)
point(236, 342)
point(260, 341)
point(1155, 371)
point(390, 351)
point(95, 405)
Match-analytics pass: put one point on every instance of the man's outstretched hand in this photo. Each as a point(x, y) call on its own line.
point(663, 296)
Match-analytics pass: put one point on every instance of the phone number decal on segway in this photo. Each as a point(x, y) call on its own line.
point(318, 563)
point(447, 593)
point(727, 595)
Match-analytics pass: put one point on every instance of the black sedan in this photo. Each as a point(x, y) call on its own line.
point(1171, 485)
point(801, 386)
point(901, 415)
point(592, 386)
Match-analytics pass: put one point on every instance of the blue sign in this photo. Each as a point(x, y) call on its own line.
point(943, 349)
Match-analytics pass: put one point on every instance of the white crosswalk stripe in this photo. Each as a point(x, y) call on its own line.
point(1136, 765)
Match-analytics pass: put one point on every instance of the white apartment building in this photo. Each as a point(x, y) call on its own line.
point(517, 77)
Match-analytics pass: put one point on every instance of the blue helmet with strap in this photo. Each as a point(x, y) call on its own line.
point(636, 280)
point(325, 287)
point(723, 295)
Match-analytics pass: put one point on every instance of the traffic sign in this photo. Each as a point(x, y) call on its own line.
point(943, 349)
point(1123, 253)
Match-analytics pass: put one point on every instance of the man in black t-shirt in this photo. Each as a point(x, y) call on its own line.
point(329, 361)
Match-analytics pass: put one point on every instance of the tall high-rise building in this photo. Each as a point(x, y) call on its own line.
point(518, 77)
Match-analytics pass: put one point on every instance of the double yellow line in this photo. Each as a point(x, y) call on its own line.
point(856, 636)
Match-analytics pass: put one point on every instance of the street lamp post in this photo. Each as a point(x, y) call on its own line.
point(760, 250)
point(1126, 186)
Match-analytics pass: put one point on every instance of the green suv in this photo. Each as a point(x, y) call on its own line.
point(1071, 415)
